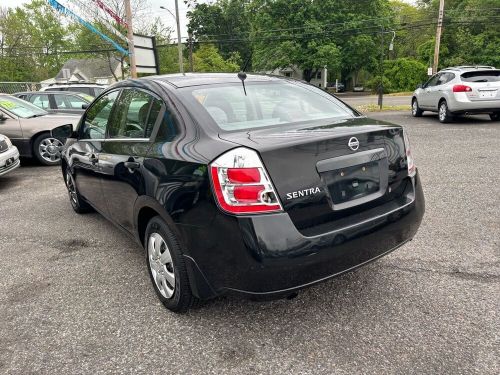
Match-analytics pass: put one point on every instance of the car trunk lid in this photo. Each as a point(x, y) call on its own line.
point(485, 84)
point(323, 173)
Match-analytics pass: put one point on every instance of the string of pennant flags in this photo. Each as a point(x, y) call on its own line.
point(69, 13)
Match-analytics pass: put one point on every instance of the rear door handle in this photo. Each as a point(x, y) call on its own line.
point(132, 164)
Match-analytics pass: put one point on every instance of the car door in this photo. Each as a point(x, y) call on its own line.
point(122, 157)
point(85, 153)
point(424, 99)
point(436, 92)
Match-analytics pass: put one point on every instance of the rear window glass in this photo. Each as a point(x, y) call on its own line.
point(267, 104)
point(482, 76)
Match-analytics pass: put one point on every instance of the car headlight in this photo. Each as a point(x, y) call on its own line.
point(7, 140)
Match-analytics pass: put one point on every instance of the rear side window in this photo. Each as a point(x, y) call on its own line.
point(482, 76)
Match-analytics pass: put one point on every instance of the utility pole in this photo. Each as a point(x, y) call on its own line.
point(179, 44)
point(438, 37)
point(190, 42)
point(130, 37)
point(380, 87)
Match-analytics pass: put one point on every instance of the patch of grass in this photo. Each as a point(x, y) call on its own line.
point(376, 108)
point(403, 93)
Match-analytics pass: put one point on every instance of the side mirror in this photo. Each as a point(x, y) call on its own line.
point(85, 106)
point(2, 117)
point(63, 131)
point(420, 86)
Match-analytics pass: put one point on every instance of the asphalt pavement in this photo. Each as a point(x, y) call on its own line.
point(75, 296)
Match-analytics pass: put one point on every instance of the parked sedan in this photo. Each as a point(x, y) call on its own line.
point(460, 90)
point(9, 155)
point(29, 128)
point(58, 102)
point(249, 184)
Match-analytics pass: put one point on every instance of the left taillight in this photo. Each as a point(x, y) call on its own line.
point(241, 183)
point(410, 162)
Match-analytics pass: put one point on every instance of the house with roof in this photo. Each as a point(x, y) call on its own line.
point(103, 71)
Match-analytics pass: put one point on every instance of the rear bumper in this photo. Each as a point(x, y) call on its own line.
point(266, 254)
point(459, 103)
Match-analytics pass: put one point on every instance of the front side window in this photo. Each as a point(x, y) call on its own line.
point(432, 81)
point(268, 104)
point(98, 116)
point(61, 102)
point(135, 115)
point(75, 102)
point(40, 100)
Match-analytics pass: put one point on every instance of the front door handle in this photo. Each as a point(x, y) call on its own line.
point(132, 165)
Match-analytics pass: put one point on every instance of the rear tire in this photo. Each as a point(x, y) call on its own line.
point(76, 200)
point(444, 113)
point(167, 268)
point(415, 109)
point(495, 116)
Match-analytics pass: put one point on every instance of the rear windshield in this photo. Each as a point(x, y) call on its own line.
point(482, 76)
point(267, 104)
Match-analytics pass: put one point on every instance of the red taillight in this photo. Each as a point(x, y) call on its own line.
point(412, 169)
point(461, 88)
point(241, 183)
point(243, 175)
point(248, 194)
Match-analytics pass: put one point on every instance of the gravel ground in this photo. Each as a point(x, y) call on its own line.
point(75, 295)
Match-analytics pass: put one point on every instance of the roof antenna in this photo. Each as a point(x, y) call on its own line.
point(242, 75)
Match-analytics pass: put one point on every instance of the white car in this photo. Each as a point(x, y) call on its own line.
point(93, 89)
point(459, 90)
point(9, 155)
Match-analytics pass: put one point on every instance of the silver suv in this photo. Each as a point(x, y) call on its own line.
point(459, 90)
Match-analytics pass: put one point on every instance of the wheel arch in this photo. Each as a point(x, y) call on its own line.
point(147, 208)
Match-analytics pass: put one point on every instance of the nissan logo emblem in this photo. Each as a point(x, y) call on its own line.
point(353, 143)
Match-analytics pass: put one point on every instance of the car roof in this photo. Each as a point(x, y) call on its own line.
point(198, 79)
point(468, 68)
point(50, 92)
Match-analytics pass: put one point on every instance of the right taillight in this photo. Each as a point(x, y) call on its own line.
point(410, 162)
point(241, 183)
point(462, 88)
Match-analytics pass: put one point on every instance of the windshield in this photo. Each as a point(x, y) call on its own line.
point(20, 107)
point(267, 104)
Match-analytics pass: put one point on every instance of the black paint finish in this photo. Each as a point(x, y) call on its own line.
point(129, 181)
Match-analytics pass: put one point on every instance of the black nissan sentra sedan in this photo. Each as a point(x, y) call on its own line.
point(233, 183)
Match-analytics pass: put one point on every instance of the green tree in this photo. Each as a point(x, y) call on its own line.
point(208, 59)
point(226, 23)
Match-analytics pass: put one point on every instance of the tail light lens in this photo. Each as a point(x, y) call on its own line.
point(410, 162)
point(241, 183)
point(461, 88)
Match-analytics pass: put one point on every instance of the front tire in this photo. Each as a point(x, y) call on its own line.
point(47, 149)
point(495, 116)
point(78, 204)
point(415, 109)
point(444, 113)
point(167, 268)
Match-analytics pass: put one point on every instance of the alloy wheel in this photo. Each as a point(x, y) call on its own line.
point(442, 112)
point(414, 108)
point(70, 184)
point(161, 265)
point(50, 149)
